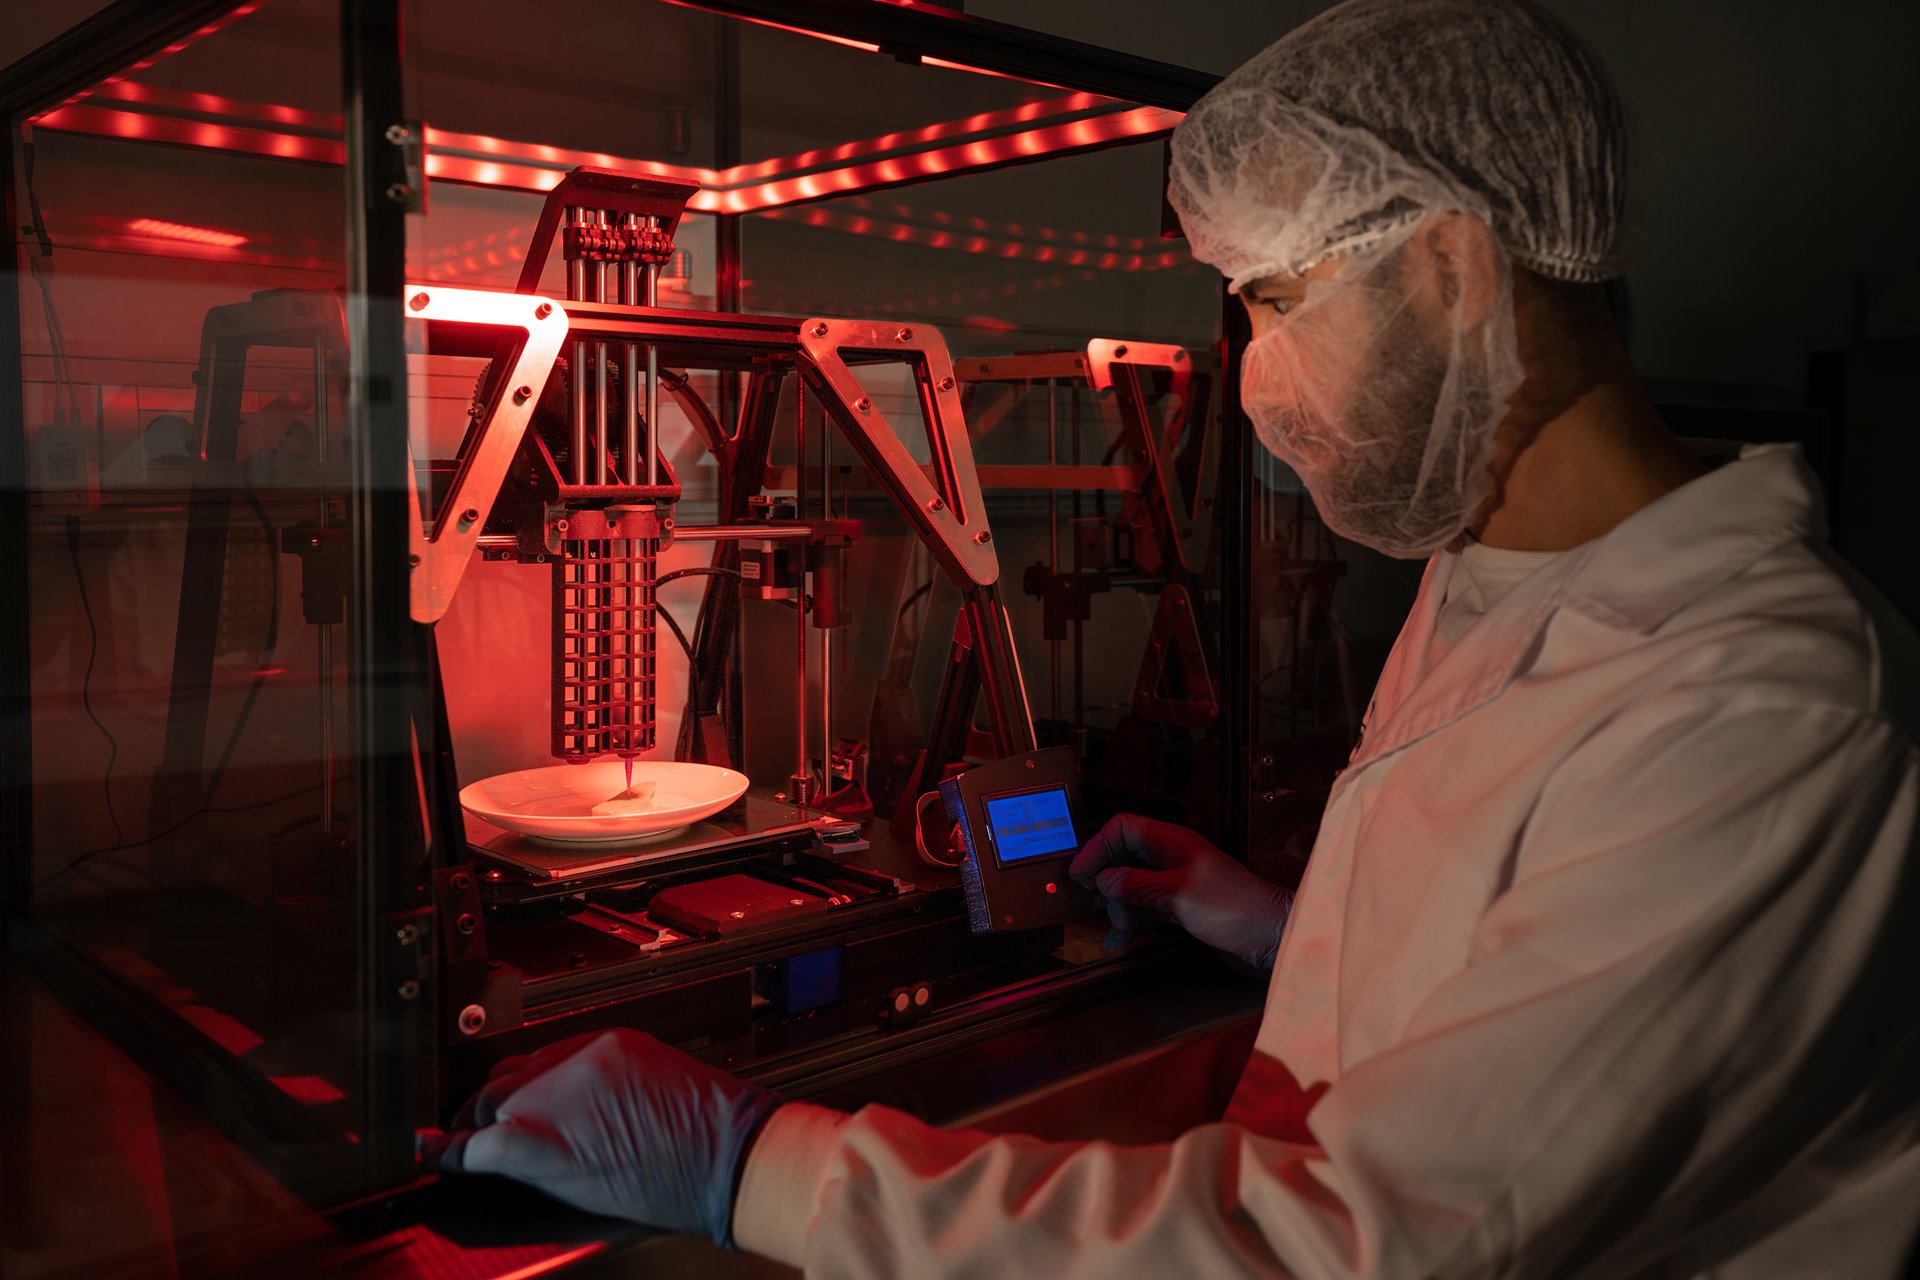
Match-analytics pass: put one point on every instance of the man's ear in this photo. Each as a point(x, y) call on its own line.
point(1460, 251)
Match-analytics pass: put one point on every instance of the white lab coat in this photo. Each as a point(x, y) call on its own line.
point(1604, 966)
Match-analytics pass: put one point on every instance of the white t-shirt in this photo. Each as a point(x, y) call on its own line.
point(1480, 581)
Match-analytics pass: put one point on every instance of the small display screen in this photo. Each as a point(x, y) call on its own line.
point(1032, 824)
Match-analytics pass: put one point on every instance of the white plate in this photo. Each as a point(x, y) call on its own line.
point(556, 802)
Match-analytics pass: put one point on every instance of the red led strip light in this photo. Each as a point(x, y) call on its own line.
point(224, 124)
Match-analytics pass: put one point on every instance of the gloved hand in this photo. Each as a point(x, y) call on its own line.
point(616, 1123)
point(1138, 862)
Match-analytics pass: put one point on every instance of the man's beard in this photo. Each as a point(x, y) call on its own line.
point(1390, 461)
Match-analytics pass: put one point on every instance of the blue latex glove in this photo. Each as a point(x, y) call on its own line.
point(616, 1123)
point(1139, 863)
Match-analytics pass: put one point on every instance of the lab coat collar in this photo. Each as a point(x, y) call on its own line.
point(1685, 544)
point(1634, 577)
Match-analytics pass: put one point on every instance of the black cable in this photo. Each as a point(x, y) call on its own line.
point(693, 666)
point(79, 862)
point(919, 591)
point(86, 679)
point(699, 571)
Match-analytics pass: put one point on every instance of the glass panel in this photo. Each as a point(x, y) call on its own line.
point(184, 372)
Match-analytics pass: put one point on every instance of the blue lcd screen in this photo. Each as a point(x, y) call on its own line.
point(1032, 824)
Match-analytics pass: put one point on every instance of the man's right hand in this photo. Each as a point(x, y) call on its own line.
point(1138, 862)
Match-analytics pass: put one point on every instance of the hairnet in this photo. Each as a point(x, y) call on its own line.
point(1379, 111)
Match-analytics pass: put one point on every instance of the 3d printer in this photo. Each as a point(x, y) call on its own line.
point(877, 562)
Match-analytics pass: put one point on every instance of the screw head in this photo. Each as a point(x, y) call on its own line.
point(522, 394)
point(398, 134)
point(1120, 353)
point(467, 922)
point(863, 404)
point(418, 302)
point(542, 311)
point(937, 504)
point(407, 935)
point(820, 330)
point(470, 515)
point(397, 192)
point(472, 1020)
point(413, 562)
point(905, 335)
point(409, 990)
point(738, 915)
point(946, 384)
point(983, 537)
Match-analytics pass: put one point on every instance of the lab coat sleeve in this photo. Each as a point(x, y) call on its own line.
point(1685, 983)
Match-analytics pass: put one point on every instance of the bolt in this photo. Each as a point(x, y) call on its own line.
point(905, 335)
point(472, 1019)
point(398, 134)
point(407, 935)
point(946, 384)
point(409, 990)
point(667, 523)
point(560, 526)
point(1120, 353)
point(413, 562)
point(983, 537)
point(397, 192)
point(820, 330)
point(522, 394)
point(467, 923)
point(542, 311)
point(470, 515)
point(863, 404)
point(418, 302)
point(937, 504)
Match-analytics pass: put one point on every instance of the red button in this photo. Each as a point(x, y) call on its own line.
point(1052, 887)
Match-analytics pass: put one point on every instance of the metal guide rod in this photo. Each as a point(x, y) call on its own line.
point(577, 292)
point(802, 769)
point(826, 633)
point(1079, 630)
point(323, 633)
point(629, 381)
point(650, 274)
point(600, 270)
point(1053, 533)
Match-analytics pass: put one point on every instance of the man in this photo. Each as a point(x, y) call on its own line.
point(1602, 964)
